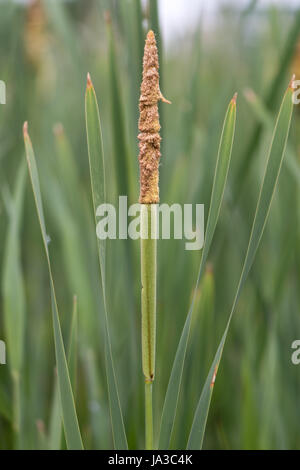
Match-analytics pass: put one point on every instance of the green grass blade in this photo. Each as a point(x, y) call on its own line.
point(154, 24)
point(221, 172)
point(123, 164)
point(99, 414)
point(13, 288)
point(70, 421)
point(55, 427)
point(266, 119)
point(132, 22)
point(72, 346)
point(68, 171)
point(58, 17)
point(14, 300)
point(271, 99)
point(97, 172)
point(268, 187)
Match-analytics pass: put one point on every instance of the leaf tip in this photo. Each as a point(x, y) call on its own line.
point(291, 84)
point(212, 383)
point(25, 129)
point(89, 83)
point(233, 101)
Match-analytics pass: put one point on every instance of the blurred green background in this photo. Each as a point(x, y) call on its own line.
point(46, 49)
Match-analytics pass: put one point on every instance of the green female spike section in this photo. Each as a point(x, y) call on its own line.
point(148, 278)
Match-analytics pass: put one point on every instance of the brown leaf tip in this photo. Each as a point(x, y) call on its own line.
point(234, 98)
point(89, 83)
point(214, 377)
point(25, 129)
point(291, 84)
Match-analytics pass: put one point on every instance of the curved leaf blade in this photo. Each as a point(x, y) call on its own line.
point(97, 173)
point(268, 186)
point(70, 421)
point(220, 178)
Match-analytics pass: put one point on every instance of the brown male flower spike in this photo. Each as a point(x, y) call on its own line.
point(149, 126)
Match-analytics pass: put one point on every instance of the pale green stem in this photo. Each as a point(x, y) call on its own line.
point(148, 277)
point(148, 416)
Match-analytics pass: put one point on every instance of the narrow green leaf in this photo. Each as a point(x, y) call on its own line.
point(266, 119)
point(14, 299)
point(65, 162)
point(99, 413)
point(267, 190)
point(72, 346)
point(221, 172)
point(12, 286)
point(55, 428)
point(97, 173)
point(123, 164)
point(132, 24)
point(70, 421)
point(271, 98)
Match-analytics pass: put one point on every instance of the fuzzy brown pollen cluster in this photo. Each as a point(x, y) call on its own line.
point(149, 138)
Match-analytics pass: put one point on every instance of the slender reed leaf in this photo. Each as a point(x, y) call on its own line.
point(13, 288)
point(221, 172)
point(123, 164)
point(271, 97)
point(55, 428)
point(97, 172)
point(267, 190)
point(266, 119)
point(72, 346)
point(14, 300)
point(70, 421)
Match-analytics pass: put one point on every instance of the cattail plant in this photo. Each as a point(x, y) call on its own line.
point(182, 398)
point(149, 156)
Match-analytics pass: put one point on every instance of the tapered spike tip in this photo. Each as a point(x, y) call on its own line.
point(150, 34)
